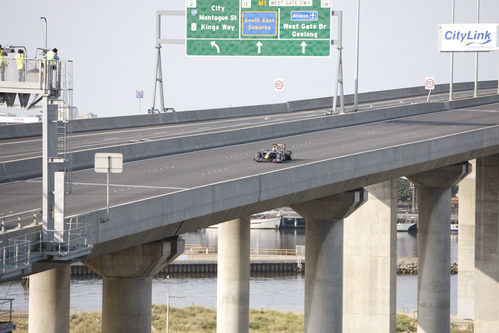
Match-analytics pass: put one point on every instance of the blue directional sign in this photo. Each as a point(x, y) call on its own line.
point(304, 16)
point(260, 24)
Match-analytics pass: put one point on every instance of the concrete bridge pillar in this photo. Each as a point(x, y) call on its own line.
point(324, 258)
point(487, 245)
point(370, 255)
point(233, 276)
point(466, 248)
point(434, 197)
point(127, 283)
point(49, 301)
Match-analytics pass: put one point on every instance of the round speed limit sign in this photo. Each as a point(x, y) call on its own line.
point(278, 84)
point(429, 83)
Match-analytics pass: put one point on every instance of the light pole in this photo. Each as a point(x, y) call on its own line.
point(356, 70)
point(413, 195)
point(475, 90)
point(168, 306)
point(451, 79)
point(44, 19)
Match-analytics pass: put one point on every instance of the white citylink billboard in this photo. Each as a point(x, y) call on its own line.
point(467, 37)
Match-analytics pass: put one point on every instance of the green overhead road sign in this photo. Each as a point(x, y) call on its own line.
point(258, 27)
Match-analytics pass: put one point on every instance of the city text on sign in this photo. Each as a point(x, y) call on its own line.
point(258, 27)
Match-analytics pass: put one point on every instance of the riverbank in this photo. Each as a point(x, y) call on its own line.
point(196, 319)
point(207, 265)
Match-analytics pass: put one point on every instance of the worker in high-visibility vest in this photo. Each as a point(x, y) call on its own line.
point(52, 59)
point(20, 61)
point(2, 64)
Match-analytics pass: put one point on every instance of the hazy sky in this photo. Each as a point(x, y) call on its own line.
point(112, 44)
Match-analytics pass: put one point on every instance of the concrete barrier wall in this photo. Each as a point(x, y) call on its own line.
point(84, 125)
point(378, 96)
point(31, 168)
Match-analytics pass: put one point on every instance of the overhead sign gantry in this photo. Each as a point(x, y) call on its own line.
point(258, 28)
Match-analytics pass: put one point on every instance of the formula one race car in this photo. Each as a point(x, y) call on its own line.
point(277, 154)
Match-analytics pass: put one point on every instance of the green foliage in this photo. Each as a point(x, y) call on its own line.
point(406, 324)
point(276, 322)
point(196, 319)
point(404, 189)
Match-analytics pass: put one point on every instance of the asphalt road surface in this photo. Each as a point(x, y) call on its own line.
point(149, 178)
point(23, 148)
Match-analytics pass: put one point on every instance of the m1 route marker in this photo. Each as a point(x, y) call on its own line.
point(258, 28)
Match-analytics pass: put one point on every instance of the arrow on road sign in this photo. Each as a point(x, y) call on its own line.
point(303, 46)
point(214, 44)
point(259, 45)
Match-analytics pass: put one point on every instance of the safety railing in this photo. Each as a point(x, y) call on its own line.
point(19, 220)
point(27, 70)
point(20, 252)
point(194, 249)
point(6, 324)
point(38, 74)
point(65, 244)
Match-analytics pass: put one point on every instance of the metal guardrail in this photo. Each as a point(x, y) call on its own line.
point(6, 324)
point(17, 256)
point(28, 71)
point(202, 250)
point(12, 221)
point(66, 244)
point(37, 74)
point(21, 251)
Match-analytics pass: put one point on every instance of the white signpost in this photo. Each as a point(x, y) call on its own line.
point(139, 93)
point(429, 84)
point(108, 163)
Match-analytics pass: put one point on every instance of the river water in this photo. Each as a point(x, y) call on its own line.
point(281, 293)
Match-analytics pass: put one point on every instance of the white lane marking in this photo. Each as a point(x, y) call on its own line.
point(20, 141)
point(120, 185)
point(209, 172)
point(12, 155)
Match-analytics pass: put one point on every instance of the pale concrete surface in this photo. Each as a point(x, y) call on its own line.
point(106, 123)
point(487, 246)
point(127, 284)
point(49, 301)
point(233, 276)
point(370, 254)
point(466, 248)
point(434, 197)
point(324, 259)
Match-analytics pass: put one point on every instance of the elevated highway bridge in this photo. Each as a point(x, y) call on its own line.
point(207, 176)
